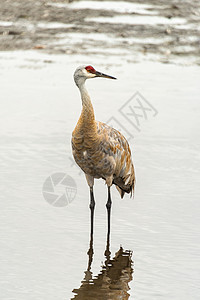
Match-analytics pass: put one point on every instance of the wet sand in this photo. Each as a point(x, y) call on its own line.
point(156, 30)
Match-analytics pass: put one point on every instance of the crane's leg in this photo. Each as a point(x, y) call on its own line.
point(90, 255)
point(107, 252)
point(92, 206)
point(90, 181)
point(108, 206)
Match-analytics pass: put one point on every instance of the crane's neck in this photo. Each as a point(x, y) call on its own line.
point(87, 109)
point(86, 124)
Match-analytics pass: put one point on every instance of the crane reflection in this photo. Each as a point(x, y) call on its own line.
point(112, 282)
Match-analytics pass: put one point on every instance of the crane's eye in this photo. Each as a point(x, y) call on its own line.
point(90, 69)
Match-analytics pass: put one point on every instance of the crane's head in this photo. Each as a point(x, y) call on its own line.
point(85, 72)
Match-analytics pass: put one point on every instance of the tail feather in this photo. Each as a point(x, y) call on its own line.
point(121, 192)
point(122, 189)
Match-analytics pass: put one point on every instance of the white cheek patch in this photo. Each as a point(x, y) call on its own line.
point(85, 72)
point(91, 75)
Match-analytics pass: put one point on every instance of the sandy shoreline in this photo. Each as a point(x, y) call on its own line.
point(165, 32)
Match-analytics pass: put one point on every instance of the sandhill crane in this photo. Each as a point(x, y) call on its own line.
point(100, 150)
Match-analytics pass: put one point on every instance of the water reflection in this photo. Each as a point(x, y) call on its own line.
point(112, 282)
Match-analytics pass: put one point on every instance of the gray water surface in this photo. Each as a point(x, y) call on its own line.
point(43, 247)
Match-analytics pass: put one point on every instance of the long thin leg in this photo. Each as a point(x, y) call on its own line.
point(90, 253)
point(92, 206)
point(88, 273)
point(107, 252)
point(108, 206)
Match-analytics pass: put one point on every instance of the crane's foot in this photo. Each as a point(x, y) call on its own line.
point(90, 253)
point(107, 252)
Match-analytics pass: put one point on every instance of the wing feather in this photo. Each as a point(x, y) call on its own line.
point(115, 145)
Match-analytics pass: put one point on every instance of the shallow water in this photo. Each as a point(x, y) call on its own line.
point(43, 247)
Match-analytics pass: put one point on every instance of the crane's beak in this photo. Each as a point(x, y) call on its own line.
point(99, 74)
